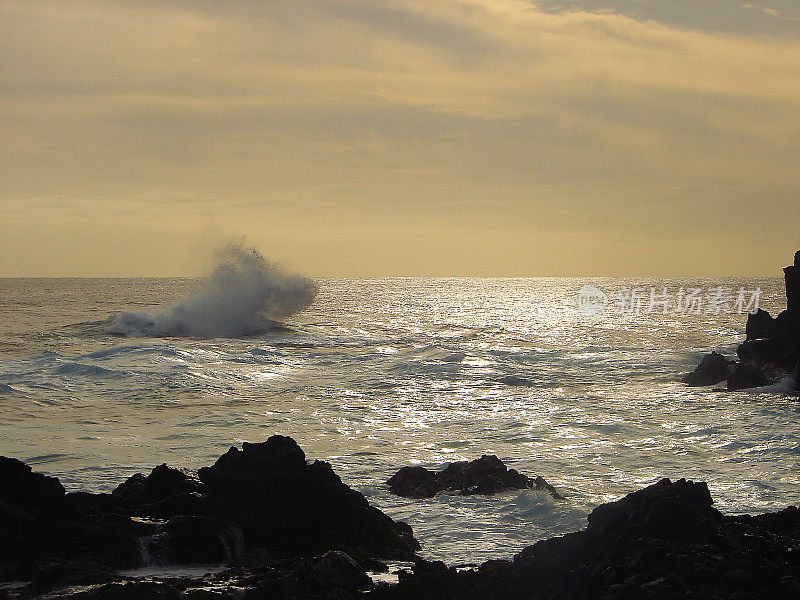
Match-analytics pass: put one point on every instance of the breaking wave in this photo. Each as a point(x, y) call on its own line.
point(244, 295)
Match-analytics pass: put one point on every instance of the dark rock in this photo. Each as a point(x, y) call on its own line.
point(278, 455)
point(73, 572)
point(668, 587)
point(791, 277)
point(751, 374)
point(256, 557)
point(712, 369)
point(665, 509)
point(665, 541)
point(413, 482)
point(334, 576)
point(774, 351)
point(165, 481)
point(20, 486)
point(771, 350)
point(132, 487)
point(515, 380)
point(194, 539)
point(262, 496)
point(336, 570)
point(374, 566)
point(138, 590)
point(88, 504)
point(39, 524)
point(760, 324)
point(797, 375)
point(164, 493)
point(288, 507)
point(785, 523)
point(662, 542)
point(485, 475)
point(204, 594)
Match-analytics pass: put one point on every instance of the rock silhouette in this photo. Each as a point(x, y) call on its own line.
point(263, 496)
point(485, 475)
point(662, 542)
point(712, 369)
point(771, 350)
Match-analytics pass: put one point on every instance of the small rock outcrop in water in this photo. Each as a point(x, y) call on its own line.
point(712, 369)
point(485, 475)
point(771, 350)
point(264, 496)
point(663, 542)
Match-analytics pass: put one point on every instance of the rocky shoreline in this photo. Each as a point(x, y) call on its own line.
point(286, 528)
point(262, 504)
point(770, 353)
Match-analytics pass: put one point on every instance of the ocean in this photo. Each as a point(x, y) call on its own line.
point(375, 374)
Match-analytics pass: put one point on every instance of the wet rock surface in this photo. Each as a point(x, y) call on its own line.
point(771, 350)
point(333, 576)
point(485, 475)
point(665, 541)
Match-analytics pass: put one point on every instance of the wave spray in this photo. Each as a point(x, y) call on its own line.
point(245, 294)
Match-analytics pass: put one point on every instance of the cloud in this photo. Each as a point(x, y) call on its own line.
point(399, 110)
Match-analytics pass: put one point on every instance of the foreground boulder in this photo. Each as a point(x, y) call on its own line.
point(665, 541)
point(288, 507)
point(771, 350)
point(485, 475)
point(263, 497)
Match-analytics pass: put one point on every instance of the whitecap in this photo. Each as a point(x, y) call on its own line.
point(244, 295)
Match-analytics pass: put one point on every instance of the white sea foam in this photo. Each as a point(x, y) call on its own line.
point(244, 295)
point(784, 386)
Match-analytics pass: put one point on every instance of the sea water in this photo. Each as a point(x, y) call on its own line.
point(375, 374)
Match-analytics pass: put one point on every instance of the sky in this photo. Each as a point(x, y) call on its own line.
point(408, 137)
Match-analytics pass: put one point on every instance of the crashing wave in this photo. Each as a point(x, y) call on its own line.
point(244, 295)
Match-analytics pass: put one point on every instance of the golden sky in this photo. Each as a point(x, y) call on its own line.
point(409, 137)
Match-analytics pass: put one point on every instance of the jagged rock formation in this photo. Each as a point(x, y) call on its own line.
point(263, 497)
point(662, 542)
point(40, 523)
point(771, 350)
point(485, 475)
